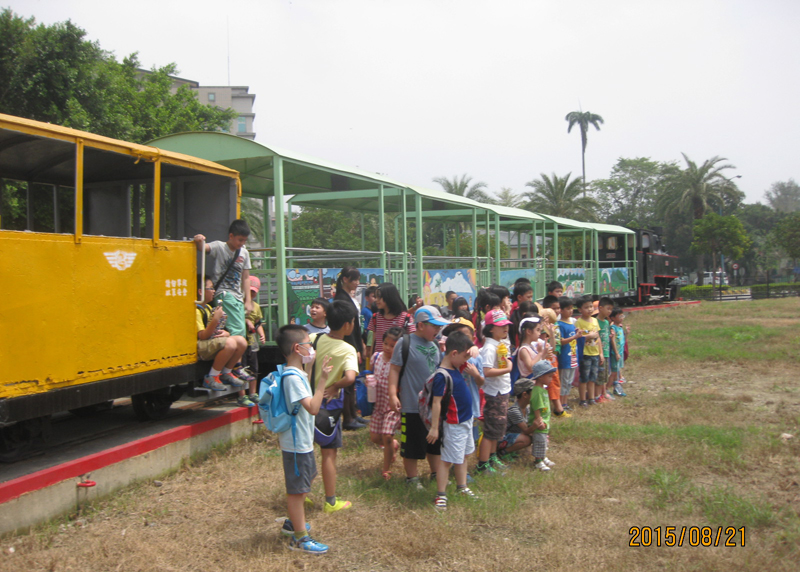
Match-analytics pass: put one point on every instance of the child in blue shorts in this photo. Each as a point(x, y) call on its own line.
point(456, 412)
point(617, 359)
point(299, 466)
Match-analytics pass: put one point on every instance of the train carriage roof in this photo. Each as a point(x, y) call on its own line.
point(42, 152)
point(569, 223)
point(319, 183)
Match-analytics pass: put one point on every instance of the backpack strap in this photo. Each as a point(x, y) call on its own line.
point(314, 365)
point(203, 314)
point(281, 374)
point(404, 357)
point(228, 269)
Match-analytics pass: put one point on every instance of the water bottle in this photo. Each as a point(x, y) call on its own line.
point(224, 317)
point(502, 356)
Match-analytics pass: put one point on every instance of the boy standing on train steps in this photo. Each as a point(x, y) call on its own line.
point(228, 268)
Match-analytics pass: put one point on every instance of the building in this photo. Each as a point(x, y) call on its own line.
point(236, 97)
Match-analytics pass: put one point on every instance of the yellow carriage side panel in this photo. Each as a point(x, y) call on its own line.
point(103, 308)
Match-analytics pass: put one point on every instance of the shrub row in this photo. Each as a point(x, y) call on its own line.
point(776, 290)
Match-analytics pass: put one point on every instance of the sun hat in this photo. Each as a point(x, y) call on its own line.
point(255, 283)
point(497, 318)
point(430, 314)
point(523, 385)
point(541, 368)
point(530, 320)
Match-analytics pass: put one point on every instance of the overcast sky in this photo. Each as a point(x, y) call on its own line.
point(419, 89)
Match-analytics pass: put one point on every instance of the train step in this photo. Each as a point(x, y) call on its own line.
point(198, 393)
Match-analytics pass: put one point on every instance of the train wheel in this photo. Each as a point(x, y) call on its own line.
point(151, 406)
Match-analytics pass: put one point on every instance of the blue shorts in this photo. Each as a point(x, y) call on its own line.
point(615, 364)
point(589, 367)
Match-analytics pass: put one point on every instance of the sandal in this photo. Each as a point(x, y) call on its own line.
point(387, 475)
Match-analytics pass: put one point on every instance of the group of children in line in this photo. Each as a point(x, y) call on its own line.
point(469, 364)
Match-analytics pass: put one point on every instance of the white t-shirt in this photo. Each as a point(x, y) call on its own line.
point(501, 384)
point(219, 255)
point(297, 388)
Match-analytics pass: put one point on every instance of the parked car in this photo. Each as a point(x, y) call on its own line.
point(717, 278)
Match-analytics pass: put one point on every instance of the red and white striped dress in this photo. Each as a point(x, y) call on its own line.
point(384, 421)
point(379, 325)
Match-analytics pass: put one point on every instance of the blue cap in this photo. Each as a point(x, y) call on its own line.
point(430, 314)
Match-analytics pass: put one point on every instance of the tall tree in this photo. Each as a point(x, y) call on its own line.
point(462, 188)
point(560, 197)
point(583, 119)
point(52, 73)
point(784, 196)
point(715, 234)
point(628, 196)
point(508, 198)
point(695, 190)
point(787, 237)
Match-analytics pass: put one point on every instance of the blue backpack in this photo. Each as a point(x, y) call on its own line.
point(514, 369)
point(274, 407)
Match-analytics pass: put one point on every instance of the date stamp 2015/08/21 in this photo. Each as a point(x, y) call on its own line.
point(645, 536)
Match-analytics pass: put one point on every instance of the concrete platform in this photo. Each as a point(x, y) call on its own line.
point(60, 483)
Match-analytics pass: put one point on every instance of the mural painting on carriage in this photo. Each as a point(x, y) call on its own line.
point(369, 277)
point(574, 280)
point(304, 288)
point(438, 282)
point(509, 277)
point(613, 280)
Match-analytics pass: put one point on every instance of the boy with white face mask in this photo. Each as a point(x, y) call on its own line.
point(342, 317)
point(297, 447)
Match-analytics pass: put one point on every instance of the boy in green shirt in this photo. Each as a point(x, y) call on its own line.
point(539, 416)
point(604, 308)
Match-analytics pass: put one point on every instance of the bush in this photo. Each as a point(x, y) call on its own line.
point(776, 290)
point(701, 292)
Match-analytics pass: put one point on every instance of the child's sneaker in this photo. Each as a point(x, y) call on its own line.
point(565, 414)
point(253, 397)
point(548, 462)
point(308, 544)
point(245, 402)
point(584, 403)
point(487, 469)
point(542, 466)
point(497, 463)
point(440, 502)
point(231, 380)
point(243, 374)
point(414, 482)
point(609, 397)
point(288, 530)
point(213, 382)
point(339, 505)
point(567, 407)
point(618, 390)
point(467, 492)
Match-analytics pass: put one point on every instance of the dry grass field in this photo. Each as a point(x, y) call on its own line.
point(697, 442)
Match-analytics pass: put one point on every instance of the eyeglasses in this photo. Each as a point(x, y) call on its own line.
point(211, 289)
point(304, 343)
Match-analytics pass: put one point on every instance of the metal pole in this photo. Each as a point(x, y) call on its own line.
point(280, 242)
point(497, 248)
point(382, 228)
point(420, 251)
point(289, 240)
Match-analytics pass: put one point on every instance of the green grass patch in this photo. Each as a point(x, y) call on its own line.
point(725, 507)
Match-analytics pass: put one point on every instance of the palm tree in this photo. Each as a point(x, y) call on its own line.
point(560, 197)
point(507, 198)
point(462, 188)
point(694, 189)
point(583, 119)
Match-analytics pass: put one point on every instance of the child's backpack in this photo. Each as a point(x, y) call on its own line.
point(274, 407)
point(514, 368)
point(426, 398)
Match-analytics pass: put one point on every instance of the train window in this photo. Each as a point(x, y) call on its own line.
point(645, 240)
point(109, 207)
point(611, 243)
point(36, 175)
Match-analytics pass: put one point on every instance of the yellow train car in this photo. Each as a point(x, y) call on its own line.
point(99, 279)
